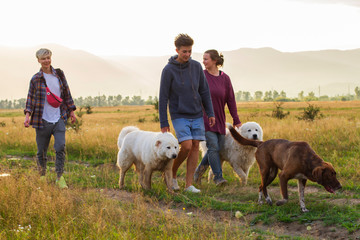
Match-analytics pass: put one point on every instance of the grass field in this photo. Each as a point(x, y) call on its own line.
point(94, 208)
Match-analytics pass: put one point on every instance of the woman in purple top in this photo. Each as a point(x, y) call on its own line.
point(221, 93)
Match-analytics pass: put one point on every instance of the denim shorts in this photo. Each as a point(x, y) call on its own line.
point(186, 129)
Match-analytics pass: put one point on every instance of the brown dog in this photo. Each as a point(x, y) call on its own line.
point(296, 160)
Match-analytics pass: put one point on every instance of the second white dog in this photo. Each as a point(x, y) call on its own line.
point(148, 151)
point(240, 157)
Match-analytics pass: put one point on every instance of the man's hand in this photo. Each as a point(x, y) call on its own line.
point(165, 129)
point(211, 121)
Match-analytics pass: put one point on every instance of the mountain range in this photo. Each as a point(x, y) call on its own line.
point(325, 72)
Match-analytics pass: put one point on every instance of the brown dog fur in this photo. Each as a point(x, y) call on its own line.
point(295, 160)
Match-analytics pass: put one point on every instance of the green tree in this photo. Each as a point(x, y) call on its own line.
point(118, 99)
point(238, 96)
point(268, 96)
point(258, 95)
point(301, 95)
point(311, 97)
point(126, 101)
point(357, 92)
point(246, 96)
point(136, 100)
point(283, 94)
point(275, 94)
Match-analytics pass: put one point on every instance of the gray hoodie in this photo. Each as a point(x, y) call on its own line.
point(185, 89)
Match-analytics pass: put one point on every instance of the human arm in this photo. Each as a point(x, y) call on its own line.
point(164, 92)
point(68, 100)
point(231, 103)
point(204, 92)
point(29, 105)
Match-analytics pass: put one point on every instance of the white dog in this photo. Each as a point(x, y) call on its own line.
point(148, 151)
point(240, 157)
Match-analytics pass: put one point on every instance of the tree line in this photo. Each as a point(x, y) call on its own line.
point(240, 96)
point(275, 96)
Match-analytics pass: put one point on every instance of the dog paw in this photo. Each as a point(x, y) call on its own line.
point(269, 201)
point(281, 202)
point(304, 210)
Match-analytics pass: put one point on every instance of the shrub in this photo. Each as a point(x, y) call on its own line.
point(278, 112)
point(78, 123)
point(310, 113)
point(156, 104)
point(156, 118)
point(88, 109)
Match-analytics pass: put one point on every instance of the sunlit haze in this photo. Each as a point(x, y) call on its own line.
point(148, 28)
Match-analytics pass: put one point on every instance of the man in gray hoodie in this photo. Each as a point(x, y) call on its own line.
point(184, 89)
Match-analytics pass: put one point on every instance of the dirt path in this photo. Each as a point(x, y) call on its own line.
point(315, 230)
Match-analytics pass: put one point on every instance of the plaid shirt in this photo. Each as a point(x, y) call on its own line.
point(36, 98)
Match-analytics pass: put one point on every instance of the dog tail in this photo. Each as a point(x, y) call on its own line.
point(240, 139)
point(124, 132)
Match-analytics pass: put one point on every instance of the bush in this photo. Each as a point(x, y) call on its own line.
point(156, 104)
point(88, 109)
point(278, 112)
point(78, 123)
point(310, 113)
point(156, 118)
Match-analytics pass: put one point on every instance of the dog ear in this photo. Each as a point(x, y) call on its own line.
point(317, 174)
point(157, 144)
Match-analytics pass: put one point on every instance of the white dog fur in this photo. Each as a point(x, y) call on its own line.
point(240, 157)
point(148, 151)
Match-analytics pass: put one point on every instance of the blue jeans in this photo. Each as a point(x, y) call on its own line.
point(212, 156)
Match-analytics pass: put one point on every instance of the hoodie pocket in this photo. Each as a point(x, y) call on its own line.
point(189, 105)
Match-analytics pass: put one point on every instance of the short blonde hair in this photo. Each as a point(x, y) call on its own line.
point(43, 52)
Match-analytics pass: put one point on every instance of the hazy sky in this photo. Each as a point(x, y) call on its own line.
point(148, 27)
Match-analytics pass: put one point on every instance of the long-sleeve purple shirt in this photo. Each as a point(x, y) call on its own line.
point(221, 93)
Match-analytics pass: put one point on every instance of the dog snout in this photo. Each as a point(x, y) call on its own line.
point(255, 136)
point(174, 156)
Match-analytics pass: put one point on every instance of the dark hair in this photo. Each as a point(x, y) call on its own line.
point(183, 40)
point(215, 56)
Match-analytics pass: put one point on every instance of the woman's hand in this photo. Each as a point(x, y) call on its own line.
point(27, 120)
point(72, 117)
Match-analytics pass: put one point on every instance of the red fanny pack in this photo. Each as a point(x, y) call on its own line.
point(52, 99)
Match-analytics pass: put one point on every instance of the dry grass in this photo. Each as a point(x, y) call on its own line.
point(83, 213)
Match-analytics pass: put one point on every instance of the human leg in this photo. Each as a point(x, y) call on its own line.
point(192, 162)
point(185, 147)
point(213, 141)
point(201, 169)
point(43, 136)
point(59, 146)
point(183, 134)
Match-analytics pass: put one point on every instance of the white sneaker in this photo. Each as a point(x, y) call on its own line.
point(175, 185)
point(192, 189)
